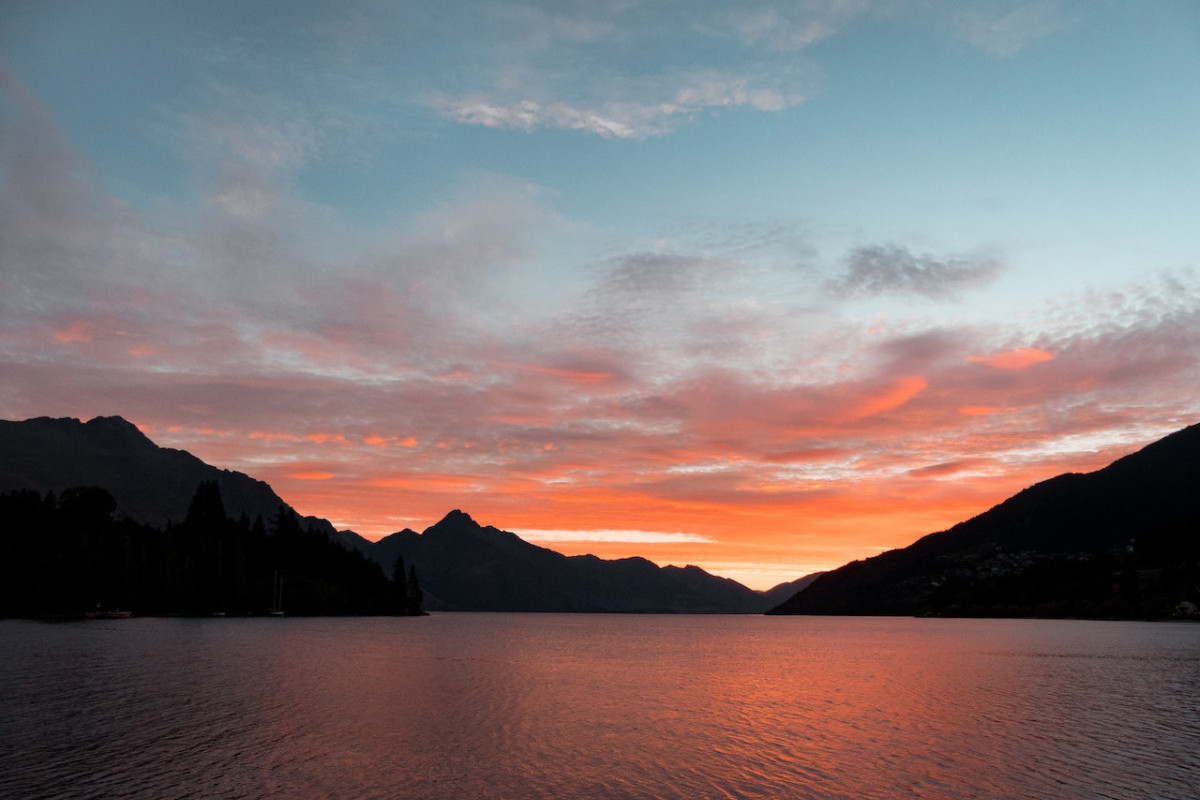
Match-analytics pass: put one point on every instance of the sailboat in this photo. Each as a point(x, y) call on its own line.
point(276, 609)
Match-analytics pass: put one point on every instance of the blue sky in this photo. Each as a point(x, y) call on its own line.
point(701, 267)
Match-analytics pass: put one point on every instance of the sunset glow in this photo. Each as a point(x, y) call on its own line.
point(689, 282)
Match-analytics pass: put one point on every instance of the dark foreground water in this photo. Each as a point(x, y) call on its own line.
point(563, 706)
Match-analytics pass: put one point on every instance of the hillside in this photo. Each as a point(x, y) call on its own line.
point(1123, 542)
point(461, 564)
point(152, 485)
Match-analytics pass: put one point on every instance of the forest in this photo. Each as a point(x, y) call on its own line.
point(67, 555)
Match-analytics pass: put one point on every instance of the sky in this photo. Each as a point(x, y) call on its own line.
point(763, 287)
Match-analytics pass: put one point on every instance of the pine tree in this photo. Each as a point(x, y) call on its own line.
point(400, 587)
point(207, 509)
point(416, 597)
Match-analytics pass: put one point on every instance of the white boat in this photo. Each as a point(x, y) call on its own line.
point(276, 609)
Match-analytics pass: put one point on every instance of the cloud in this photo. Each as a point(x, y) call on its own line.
point(611, 536)
point(693, 384)
point(790, 27)
point(890, 269)
point(612, 70)
point(1005, 28)
point(1014, 359)
point(646, 108)
point(900, 392)
point(530, 51)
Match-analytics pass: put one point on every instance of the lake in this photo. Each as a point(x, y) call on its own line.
point(597, 706)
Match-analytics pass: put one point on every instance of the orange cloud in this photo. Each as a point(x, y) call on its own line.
point(1014, 359)
point(577, 376)
point(977, 411)
point(311, 476)
point(323, 438)
point(903, 390)
point(273, 436)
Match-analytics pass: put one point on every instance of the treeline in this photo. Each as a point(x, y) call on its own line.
point(69, 554)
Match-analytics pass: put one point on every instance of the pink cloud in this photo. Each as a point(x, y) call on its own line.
point(977, 411)
point(1014, 359)
point(315, 475)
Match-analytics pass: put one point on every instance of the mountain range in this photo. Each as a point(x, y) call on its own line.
point(462, 565)
point(1121, 542)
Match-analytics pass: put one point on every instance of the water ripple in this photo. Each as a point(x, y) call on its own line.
point(535, 706)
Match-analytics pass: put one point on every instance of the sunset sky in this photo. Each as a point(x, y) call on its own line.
point(762, 286)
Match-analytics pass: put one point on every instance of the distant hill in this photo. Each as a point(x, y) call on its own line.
point(460, 564)
point(468, 567)
point(784, 591)
point(151, 484)
point(1121, 542)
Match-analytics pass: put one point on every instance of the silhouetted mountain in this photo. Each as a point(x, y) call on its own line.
point(152, 485)
point(461, 565)
point(1123, 541)
point(777, 594)
point(467, 567)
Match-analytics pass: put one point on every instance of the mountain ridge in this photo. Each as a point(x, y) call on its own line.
point(152, 484)
point(462, 564)
point(1124, 539)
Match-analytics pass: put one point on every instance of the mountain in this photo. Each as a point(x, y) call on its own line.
point(152, 485)
point(460, 564)
point(777, 594)
point(1121, 542)
point(468, 567)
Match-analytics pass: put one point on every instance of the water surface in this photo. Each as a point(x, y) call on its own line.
point(598, 706)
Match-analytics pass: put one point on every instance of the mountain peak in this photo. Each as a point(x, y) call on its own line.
point(115, 421)
point(117, 431)
point(114, 424)
point(457, 517)
point(455, 523)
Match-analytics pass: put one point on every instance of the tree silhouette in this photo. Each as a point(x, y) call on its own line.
point(399, 587)
point(207, 509)
point(416, 597)
point(64, 555)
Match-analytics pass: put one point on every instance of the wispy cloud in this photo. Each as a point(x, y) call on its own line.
point(644, 108)
point(891, 269)
point(635, 85)
point(1005, 28)
point(612, 536)
point(1014, 359)
point(793, 26)
point(648, 89)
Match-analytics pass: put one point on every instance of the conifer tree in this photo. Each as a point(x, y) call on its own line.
point(207, 510)
point(416, 597)
point(400, 586)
